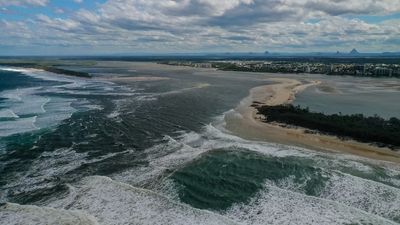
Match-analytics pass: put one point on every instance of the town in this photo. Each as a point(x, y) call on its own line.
point(329, 68)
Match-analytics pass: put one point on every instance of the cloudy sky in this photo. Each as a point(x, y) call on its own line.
point(86, 27)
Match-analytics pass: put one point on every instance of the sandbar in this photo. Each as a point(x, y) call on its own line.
point(246, 123)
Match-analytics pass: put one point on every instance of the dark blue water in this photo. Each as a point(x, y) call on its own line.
point(12, 80)
point(109, 125)
point(167, 136)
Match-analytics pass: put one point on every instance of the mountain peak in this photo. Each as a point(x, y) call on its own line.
point(354, 51)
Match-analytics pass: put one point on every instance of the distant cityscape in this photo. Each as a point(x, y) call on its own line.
point(313, 68)
point(352, 63)
point(354, 69)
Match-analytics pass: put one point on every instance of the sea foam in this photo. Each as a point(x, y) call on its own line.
point(279, 203)
point(111, 202)
point(14, 214)
point(278, 206)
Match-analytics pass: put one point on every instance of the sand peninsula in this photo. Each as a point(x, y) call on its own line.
point(246, 123)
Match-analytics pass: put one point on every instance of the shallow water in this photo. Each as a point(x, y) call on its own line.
point(369, 96)
point(164, 146)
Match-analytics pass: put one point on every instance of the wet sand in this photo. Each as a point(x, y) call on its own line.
point(246, 123)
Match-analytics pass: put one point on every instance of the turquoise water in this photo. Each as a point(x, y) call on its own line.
point(164, 146)
point(221, 178)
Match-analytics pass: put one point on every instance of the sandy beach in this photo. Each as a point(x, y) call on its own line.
point(246, 123)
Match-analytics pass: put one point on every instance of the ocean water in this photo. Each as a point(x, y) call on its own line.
point(101, 151)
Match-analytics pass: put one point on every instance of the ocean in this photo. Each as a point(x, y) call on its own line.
point(142, 143)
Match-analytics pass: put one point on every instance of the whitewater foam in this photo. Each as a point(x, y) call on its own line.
point(8, 113)
point(278, 206)
point(43, 75)
point(28, 104)
point(19, 125)
point(14, 214)
point(370, 196)
point(175, 153)
point(44, 104)
point(50, 166)
point(111, 202)
point(40, 103)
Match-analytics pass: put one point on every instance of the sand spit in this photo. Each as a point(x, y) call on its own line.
point(246, 123)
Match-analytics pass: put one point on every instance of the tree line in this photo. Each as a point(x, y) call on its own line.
point(373, 129)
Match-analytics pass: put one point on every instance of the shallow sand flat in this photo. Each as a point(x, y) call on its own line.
point(137, 79)
point(245, 123)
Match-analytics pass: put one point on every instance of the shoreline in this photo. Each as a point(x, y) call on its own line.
point(48, 69)
point(246, 123)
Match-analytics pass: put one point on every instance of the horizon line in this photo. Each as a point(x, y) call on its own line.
point(265, 53)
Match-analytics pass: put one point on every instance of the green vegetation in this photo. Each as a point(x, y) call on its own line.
point(53, 69)
point(365, 129)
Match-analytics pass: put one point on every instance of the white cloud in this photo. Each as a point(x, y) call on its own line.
point(23, 2)
point(243, 25)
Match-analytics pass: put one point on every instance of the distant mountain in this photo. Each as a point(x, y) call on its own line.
point(354, 52)
point(390, 53)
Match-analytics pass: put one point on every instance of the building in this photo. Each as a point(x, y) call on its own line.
point(359, 69)
point(380, 71)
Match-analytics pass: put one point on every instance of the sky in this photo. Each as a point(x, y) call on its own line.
point(97, 27)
